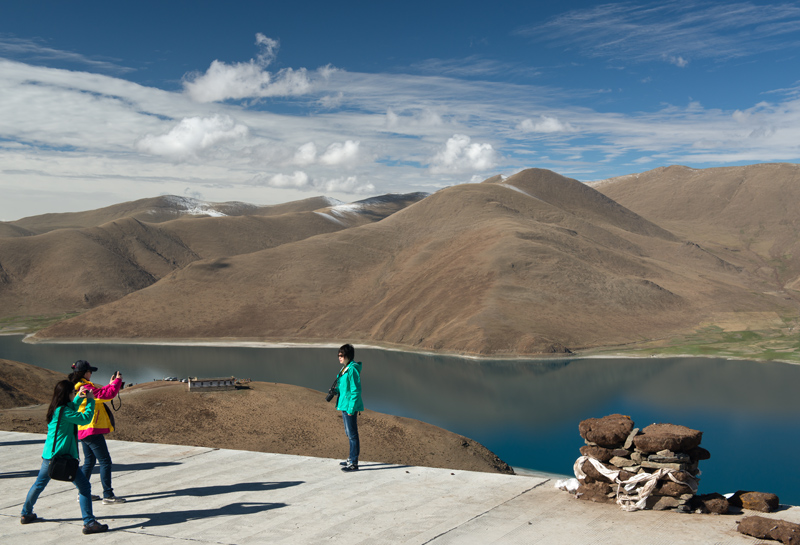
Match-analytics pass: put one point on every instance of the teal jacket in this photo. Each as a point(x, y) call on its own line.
point(67, 441)
point(350, 389)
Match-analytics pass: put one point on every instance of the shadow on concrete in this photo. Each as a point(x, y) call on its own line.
point(22, 442)
point(177, 517)
point(20, 474)
point(139, 467)
point(202, 491)
point(379, 467)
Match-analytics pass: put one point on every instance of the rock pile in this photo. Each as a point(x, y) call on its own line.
point(652, 468)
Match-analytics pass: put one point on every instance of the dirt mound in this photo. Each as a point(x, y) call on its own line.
point(263, 417)
point(22, 384)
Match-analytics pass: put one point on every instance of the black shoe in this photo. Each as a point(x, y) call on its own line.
point(95, 528)
point(345, 463)
point(350, 467)
point(27, 519)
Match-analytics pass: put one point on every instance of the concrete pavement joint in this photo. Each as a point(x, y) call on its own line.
point(479, 515)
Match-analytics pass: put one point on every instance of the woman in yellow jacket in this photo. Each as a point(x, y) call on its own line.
point(92, 435)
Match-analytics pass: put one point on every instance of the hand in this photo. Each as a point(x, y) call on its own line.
point(115, 376)
point(87, 393)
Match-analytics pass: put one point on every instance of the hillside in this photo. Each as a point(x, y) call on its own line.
point(537, 263)
point(153, 210)
point(73, 269)
point(263, 417)
point(744, 214)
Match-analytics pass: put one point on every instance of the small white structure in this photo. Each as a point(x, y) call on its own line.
point(211, 384)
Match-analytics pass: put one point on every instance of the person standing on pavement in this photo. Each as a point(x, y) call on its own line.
point(92, 435)
point(62, 417)
point(350, 403)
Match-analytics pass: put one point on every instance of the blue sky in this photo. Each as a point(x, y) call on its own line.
point(266, 102)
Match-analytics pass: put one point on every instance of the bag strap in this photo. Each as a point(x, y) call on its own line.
point(55, 437)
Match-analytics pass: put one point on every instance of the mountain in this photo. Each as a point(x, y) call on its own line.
point(536, 263)
point(154, 210)
point(72, 269)
point(748, 215)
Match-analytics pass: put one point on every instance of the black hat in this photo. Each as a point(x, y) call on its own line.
point(81, 366)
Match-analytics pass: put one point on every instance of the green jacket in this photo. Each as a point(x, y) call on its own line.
point(67, 441)
point(350, 389)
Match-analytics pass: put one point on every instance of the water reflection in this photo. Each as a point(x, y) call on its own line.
point(525, 411)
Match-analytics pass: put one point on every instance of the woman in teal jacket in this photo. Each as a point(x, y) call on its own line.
point(349, 386)
point(65, 441)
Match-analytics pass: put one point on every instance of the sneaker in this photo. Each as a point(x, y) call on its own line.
point(345, 463)
point(95, 528)
point(113, 499)
point(95, 497)
point(350, 467)
point(27, 519)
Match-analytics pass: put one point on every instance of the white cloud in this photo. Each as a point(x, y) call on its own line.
point(340, 153)
point(306, 154)
point(296, 180)
point(247, 79)
point(350, 184)
point(461, 155)
point(193, 135)
point(545, 124)
point(672, 31)
point(301, 181)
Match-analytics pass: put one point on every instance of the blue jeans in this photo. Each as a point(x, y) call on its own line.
point(81, 482)
point(95, 449)
point(351, 429)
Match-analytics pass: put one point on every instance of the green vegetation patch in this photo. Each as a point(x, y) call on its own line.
point(31, 324)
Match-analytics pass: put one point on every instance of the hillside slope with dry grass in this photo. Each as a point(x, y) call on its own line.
point(745, 214)
point(537, 263)
point(73, 269)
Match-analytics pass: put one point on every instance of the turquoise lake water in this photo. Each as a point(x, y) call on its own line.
point(527, 412)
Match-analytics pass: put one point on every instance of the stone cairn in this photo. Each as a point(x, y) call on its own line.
point(653, 468)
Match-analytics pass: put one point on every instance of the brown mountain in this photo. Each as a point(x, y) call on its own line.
point(537, 263)
point(153, 210)
point(72, 269)
point(748, 215)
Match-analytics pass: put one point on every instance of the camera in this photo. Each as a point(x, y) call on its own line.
point(332, 392)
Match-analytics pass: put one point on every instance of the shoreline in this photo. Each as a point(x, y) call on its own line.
point(589, 354)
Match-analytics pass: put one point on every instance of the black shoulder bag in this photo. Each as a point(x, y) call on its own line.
point(62, 467)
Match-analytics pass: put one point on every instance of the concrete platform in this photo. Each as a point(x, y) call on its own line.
point(180, 494)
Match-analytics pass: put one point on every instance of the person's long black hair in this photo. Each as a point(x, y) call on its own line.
point(62, 394)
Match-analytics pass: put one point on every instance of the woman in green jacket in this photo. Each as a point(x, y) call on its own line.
point(64, 440)
point(349, 386)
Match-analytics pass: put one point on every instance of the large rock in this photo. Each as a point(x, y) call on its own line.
point(592, 475)
point(766, 528)
point(670, 488)
point(597, 492)
point(755, 501)
point(656, 437)
point(710, 503)
point(598, 453)
point(610, 431)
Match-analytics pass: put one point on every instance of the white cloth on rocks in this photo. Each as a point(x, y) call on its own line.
point(633, 499)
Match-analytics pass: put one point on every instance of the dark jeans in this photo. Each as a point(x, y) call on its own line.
point(80, 482)
point(95, 449)
point(351, 429)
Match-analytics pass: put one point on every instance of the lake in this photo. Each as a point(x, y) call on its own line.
point(525, 411)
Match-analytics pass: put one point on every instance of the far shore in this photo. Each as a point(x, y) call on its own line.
point(595, 353)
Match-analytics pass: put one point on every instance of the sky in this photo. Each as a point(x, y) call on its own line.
point(269, 102)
